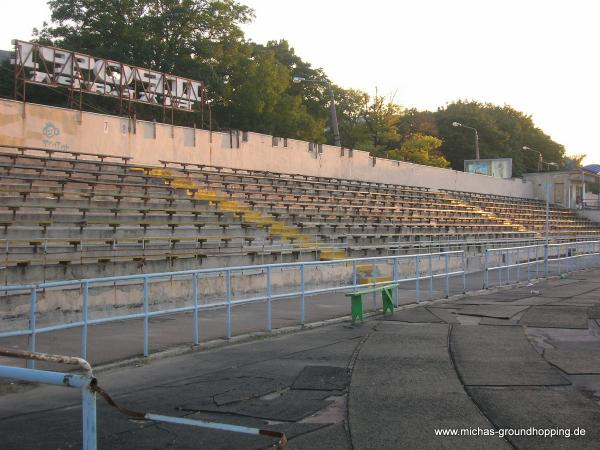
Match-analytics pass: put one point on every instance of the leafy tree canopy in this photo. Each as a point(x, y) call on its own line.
point(503, 131)
point(250, 85)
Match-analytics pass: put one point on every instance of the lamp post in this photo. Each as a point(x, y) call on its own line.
point(334, 121)
point(457, 124)
point(540, 159)
point(547, 226)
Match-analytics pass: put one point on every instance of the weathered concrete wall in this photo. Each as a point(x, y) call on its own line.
point(148, 142)
point(64, 304)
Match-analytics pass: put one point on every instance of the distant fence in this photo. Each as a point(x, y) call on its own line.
point(226, 288)
point(513, 264)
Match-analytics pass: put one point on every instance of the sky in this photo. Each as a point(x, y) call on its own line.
point(539, 56)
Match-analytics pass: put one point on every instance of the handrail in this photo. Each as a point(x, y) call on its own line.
point(520, 257)
point(419, 269)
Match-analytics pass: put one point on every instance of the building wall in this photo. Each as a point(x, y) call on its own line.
point(148, 143)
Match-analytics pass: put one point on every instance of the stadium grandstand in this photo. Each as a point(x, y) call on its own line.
point(123, 238)
point(208, 241)
point(95, 213)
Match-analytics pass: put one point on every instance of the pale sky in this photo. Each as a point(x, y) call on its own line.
point(539, 56)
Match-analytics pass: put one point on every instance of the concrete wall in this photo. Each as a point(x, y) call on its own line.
point(148, 142)
point(565, 186)
point(64, 304)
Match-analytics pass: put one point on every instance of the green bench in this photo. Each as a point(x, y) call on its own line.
point(386, 296)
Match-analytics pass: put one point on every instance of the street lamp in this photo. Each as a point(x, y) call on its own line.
point(334, 121)
point(456, 124)
point(540, 159)
point(547, 227)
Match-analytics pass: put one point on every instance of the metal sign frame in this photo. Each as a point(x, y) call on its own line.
point(81, 73)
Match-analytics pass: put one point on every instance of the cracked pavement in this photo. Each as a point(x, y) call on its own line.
point(515, 358)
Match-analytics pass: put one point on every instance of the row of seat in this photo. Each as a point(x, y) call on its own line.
point(72, 208)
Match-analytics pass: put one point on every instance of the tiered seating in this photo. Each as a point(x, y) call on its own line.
point(80, 215)
point(531, 214)
point(365, 217)
point(76, 211)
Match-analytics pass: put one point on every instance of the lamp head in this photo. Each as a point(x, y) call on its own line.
point(456, 124)
point(526, 148)
point(298, 80)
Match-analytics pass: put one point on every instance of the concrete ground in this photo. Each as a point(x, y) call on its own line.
point(514, 363)
point(119, 340)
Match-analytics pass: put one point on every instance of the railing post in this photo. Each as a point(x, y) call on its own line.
point(228, 318)
point(447, 275)
point(195, 298)
point(88, 406)
point(518, 265)
point(354, 275)
point(508, 267)
point(464, 271)
point(302, 299)
point(558, 252)
point(537, 262)
point(499, 265)
point(32, 310)
point(84, 331)
point(374, 281)
point(145, 316)
point(546, 260)
point(528, 263)
point(269, 301)
point(430, 269)
point(418, 277)
point(486, 274)
point(395, 280)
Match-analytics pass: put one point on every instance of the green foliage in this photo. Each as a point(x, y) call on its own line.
point(165, 35)
point(249, 85)
point(420, 149)
point(573, 162)
point(503, 131)
point(380, 120)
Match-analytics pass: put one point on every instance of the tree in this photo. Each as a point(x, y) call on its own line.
point(259, 99)
point(414, 121)
point(162, 34)
point(420, 149)
point(380, 120)
point(503, 131)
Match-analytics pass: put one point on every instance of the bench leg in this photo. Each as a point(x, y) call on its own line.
point(357, 308)
point(388, 304)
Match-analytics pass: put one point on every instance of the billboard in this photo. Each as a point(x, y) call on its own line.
point(55, 67)
point(499, 168)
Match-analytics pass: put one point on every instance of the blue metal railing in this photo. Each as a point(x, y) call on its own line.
point(82, 381)
point(511, 263)
point(89, 386)
point(451, 264)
